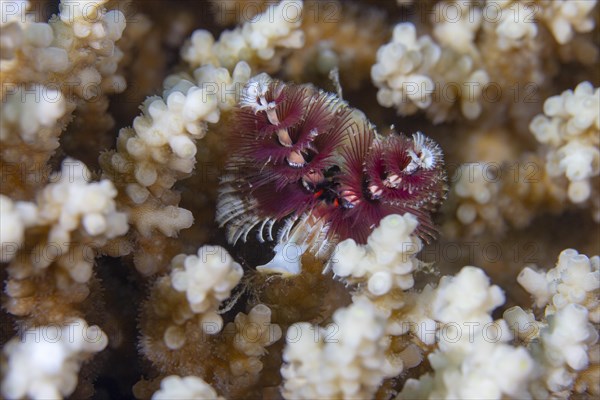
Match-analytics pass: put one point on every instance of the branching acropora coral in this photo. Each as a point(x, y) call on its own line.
point(412, 72)
point(564, 342)
point(67, 63)
point(570, 128)
point(451, 67)
point(256, 41)
point(385, 262)
point(350, 366)
point(40, 368)
point(159, 149)
point(188, 387)
point(50, 244)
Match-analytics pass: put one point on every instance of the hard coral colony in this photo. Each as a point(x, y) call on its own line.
point(250, 234)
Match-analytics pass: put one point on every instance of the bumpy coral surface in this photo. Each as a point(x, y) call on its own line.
point(300, 199)
point(44, 361)
point(570, 127)
point(189, 387)
point(386, 261)
point(350, 364)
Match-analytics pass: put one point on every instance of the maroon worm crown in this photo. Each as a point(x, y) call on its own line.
point(303, 158)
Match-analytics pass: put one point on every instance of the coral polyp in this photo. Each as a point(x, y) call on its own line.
point(304, 157)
